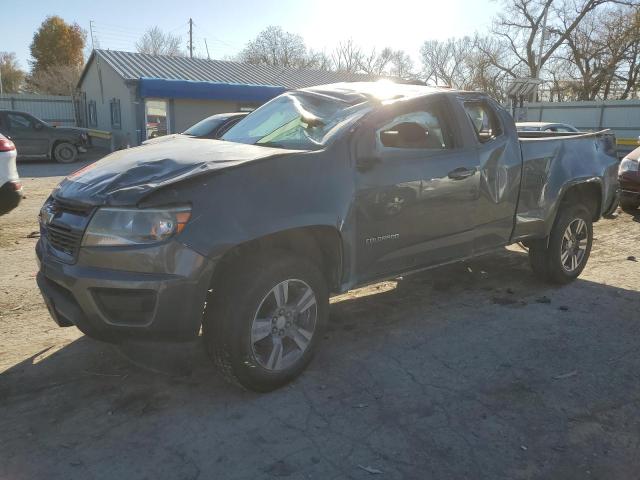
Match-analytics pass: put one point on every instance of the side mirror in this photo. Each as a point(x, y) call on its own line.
point(38, 126)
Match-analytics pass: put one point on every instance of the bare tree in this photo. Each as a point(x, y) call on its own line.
point(347, 56)
point(465, 63)
point(445, 62)
point(629, 71)
point(401, 65)
point(521, 23)
point(376, 63)
point(157, 42)
point(600, 57)
point(318, 60)
point(54, 80)
point(11, 75)
point(277, 48)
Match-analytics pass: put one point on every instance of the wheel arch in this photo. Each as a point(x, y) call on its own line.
point(321, 244)
point(587, 193)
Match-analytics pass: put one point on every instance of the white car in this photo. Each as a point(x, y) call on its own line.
point(10, 188)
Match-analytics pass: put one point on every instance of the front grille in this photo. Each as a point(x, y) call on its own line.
point(64, 239)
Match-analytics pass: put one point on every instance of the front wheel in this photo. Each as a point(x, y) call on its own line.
point(263, 323)
point(562, 257)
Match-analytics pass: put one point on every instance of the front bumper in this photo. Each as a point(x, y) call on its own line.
point(112, 294)
point(630, 185)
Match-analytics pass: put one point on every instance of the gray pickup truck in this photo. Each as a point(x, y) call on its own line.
point(37, 140)
point(316, 192)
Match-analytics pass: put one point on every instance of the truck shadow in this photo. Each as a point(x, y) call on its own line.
point(476, 340)
point(42, 169)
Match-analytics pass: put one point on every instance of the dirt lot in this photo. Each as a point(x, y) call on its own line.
point(471, 371)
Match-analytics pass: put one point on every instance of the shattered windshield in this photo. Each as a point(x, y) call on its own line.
point(297, 121)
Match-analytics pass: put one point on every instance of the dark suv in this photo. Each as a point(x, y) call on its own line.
point(35, 139)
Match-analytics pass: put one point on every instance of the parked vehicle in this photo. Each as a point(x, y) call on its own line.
point(212, 127)
point(629, 177)
point(36, 139)
point(10, 188)
point(291, 206)
point(546, 127)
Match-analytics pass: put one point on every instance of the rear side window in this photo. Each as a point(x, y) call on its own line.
point(484, 119)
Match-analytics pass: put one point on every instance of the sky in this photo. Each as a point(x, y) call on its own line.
point(227, 26)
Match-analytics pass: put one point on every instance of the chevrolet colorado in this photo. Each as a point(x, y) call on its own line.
point(316, 192)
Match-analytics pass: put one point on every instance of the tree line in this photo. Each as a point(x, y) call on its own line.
point(580, 49)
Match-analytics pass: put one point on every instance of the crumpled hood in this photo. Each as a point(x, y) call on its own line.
point(162, 139)
point(126, 176)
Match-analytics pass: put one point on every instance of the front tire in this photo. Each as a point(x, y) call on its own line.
point(562, 258)
point(264, 320)
point(65, 152)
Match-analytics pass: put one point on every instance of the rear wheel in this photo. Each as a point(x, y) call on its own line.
point(65, 152)
point(263, 323)
point(562, 257)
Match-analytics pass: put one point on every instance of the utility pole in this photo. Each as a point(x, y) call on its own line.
point(190, 38)
point(542, 34)
point(207, 47)
point(91, 32)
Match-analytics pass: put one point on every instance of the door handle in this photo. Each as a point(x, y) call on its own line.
point(461, 173)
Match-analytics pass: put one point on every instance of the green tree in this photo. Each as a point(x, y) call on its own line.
point(57, 43)
point(11, 75)
point(57, 52)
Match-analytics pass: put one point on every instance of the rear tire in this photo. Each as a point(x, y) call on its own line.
point(562, 256)
point(258, 336)
point(629, 206)
point(65, 152)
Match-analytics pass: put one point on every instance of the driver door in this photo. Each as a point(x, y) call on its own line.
point(416, 191)
point(28, 135)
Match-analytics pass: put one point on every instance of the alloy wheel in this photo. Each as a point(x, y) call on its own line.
point(574, 245)
point(284, 324)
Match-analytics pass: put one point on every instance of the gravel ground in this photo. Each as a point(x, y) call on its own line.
point(475, 370)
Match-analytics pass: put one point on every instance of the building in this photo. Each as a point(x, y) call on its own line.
point(136, 96)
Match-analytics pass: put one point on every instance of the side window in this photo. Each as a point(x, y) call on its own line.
point(484, 120)
point(418, 130)
point(115, 113)
point(93, 114)
point(18, 122)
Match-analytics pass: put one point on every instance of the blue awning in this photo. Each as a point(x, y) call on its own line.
point(164, 88)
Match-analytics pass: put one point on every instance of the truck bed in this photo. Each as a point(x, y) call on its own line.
point(548, 160)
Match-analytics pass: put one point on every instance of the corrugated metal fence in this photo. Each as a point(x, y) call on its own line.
point(53, 109)
point(621, 116)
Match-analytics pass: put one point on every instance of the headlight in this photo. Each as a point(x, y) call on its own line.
point(627, 165)
point(134, 226)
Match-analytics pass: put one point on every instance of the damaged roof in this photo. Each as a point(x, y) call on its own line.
point(133, 66)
